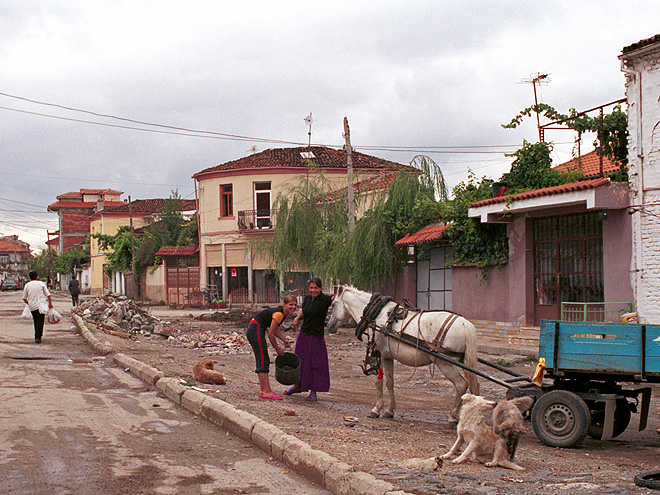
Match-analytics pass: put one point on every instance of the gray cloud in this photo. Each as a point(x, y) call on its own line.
point(418, 73)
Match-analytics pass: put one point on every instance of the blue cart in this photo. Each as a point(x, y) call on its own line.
point(597, 374)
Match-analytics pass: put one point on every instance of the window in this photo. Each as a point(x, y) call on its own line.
point(262, 203)
point(226, 201)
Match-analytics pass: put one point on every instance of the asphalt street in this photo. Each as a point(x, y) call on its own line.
point(74, 422)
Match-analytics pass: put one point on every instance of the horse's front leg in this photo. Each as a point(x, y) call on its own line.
point(375, 412)
point(388, 370)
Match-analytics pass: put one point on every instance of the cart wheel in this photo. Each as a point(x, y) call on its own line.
point(621, 418)
point(648, 480)
point(560, 419)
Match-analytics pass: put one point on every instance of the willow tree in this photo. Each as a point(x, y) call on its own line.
point(312, 224)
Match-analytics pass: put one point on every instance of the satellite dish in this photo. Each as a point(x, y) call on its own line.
point(308, 120)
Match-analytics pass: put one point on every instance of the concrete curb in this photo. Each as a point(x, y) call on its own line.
point(103, 348)
point(318, 466)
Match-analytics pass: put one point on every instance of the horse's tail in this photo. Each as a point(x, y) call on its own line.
point(470, 358)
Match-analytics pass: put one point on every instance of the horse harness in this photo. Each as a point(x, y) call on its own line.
point(371, 365)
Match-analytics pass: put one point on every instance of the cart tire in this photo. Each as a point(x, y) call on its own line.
point(648, 480)
point(622, 416)
point(560, 418)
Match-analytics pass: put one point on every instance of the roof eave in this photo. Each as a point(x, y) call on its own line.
point(615, 196)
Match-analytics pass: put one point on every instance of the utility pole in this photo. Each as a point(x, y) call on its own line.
point(130, 220)
point(349, 165)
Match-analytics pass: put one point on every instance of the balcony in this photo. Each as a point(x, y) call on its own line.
point(251, 220)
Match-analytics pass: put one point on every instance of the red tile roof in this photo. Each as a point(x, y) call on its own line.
point(178, 251)
point(429, 233)
point(150, 206)
point(79, 194)
point(11, 246)
point(588, 164)
point(641, 44)
point(546, 191)
point(376, 183)
point(323, 158)
point(100, 191)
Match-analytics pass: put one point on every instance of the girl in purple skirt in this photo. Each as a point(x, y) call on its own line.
point(310, 344)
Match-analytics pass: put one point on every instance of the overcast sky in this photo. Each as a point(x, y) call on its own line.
point(415, 74)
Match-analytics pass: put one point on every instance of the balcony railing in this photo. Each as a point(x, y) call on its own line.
point(256, 219)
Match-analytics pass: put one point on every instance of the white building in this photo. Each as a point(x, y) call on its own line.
point(640, 63)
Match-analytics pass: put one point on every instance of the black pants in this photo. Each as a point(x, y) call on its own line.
point(74, 298)
point(38, 319)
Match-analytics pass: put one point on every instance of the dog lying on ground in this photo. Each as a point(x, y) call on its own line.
point(500, 441)
point(203, 372)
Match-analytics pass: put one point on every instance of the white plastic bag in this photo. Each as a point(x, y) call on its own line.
point(43, 305)
point(53, 316)
point(27, 314)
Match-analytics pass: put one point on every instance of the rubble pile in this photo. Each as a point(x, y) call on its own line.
point(232, 343)
point(120, 316)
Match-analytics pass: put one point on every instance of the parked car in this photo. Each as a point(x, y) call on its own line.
point(11, 283)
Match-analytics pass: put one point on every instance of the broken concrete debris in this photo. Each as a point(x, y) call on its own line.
point(120, 316)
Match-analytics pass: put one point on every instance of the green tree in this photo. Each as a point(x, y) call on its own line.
point(312, 225)
point(472, 241)
point(66, 261)
point(611, 132)
point(532, 169)
point(170, 229)
point(117, 248)
point(44, 263)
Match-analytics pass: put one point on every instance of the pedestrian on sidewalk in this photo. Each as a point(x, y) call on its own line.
point(310, 345)
point(33, 291)
point(268, 322)
point(74, 289)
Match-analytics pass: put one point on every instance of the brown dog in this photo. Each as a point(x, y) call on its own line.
point(508, 425)
point(501, 440)
point(203, 372)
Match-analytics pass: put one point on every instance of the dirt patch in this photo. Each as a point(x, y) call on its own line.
point(421, 427)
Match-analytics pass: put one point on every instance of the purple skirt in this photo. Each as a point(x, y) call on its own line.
point(314, 368)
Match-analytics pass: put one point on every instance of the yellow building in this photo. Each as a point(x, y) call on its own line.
point(108, 221)
point(235, 201)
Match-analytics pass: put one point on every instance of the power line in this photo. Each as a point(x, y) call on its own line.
point(184, 131)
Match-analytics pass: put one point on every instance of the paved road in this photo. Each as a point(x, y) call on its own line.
point(73, 422)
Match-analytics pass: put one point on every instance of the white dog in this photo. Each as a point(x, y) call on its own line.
point(500, 441)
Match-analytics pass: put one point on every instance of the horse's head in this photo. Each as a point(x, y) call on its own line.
point(340, 314)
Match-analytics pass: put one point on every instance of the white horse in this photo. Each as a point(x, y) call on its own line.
point(419, 328)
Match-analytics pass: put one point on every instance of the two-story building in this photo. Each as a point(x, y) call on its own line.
point(235, 209)
point(14, 257)
point(107, 221)
point(73, 211)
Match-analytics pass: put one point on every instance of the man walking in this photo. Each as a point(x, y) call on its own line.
point(33, 291)
point(74, 289)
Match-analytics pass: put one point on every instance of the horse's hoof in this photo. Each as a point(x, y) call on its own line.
point(373, 414)
point(388, 415)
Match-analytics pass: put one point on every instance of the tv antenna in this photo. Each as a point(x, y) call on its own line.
point(308, 120)
point(540, 79)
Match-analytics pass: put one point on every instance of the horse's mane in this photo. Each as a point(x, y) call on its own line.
point(355, 289)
